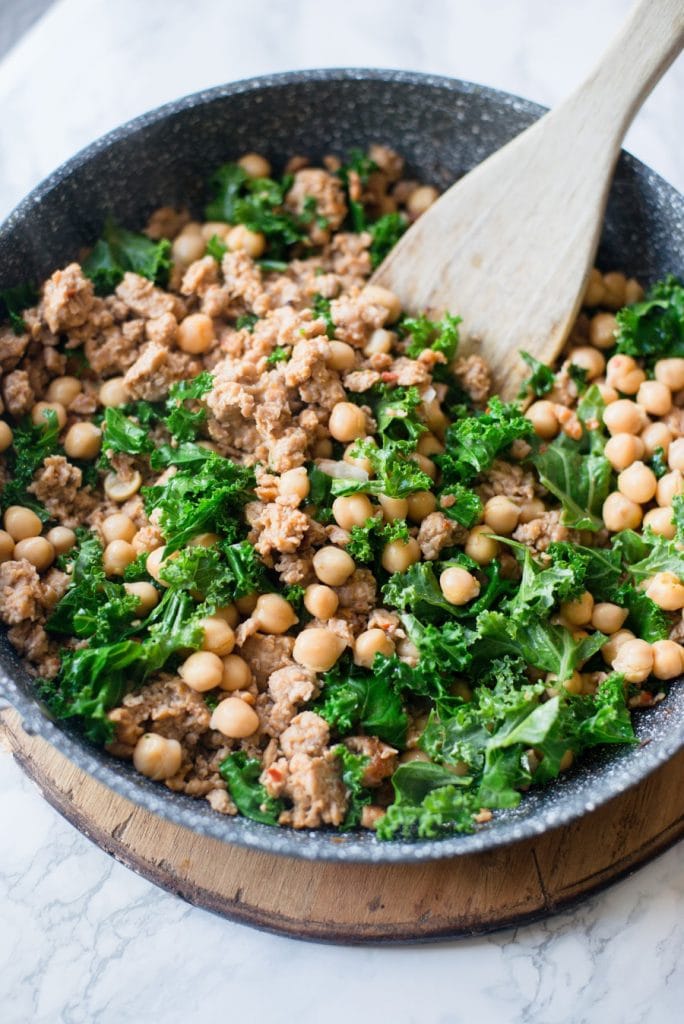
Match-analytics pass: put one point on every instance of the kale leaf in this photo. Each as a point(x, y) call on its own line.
point(396, 474)
point(353, 768)
point(385, 232)
point(119, 251)
point(241, 775)
point(353, 696)
point(654, 329)
point(31, 444)
point(439, 336)
point(541, 379)
point(472, 443)
point(13, 302)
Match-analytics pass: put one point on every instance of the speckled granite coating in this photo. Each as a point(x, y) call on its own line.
point(443, 127)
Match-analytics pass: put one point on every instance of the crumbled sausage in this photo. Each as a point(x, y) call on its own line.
point(438, 532)
point(67, 299)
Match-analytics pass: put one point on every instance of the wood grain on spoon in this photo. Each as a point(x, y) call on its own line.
point(510, 246)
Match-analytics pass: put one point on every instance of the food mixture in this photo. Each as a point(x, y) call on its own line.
point(276, 541)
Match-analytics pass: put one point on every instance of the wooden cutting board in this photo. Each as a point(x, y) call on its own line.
point(356, 903)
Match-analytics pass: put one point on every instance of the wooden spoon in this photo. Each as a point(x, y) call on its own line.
point(510, 246)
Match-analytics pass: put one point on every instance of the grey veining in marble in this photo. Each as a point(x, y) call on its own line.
point(81, 938)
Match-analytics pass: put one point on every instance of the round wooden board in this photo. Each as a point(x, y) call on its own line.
point(356, 903)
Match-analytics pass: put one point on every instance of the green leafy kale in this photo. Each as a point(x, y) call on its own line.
point(206, 495)
point(541, 379)
point(216, 248)
point(542, 644)
point(119, 251)
point(430, 801)
point(278, 355)
point(367, 541)
point(31, 444)
point(182, 422)
point(467, 507)
point(474, 442)
point(396, 411)
point(321, 310)
point(385, 232)
point(360, 165)
point(647, 620)
point(353, 697)
point(654, 329)
point(658, 462)
point(13, 302)
point(396, 474)
point(439, 336)
point(320, 494)
point(353, 770)
point(218, 575)
point(576, 471)
point(542, 588)
point(93, 606)
point(259, 204)
point(94, 679)
point(246, 322)
point(241, 775)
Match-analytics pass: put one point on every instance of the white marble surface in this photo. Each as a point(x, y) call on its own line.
point(81, 938)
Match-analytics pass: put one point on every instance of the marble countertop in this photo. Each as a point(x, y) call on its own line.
point(83, 940)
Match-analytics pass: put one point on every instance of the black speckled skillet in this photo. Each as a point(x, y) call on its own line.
point(443, 128)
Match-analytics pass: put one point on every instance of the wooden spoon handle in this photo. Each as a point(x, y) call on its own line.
point(648, 42)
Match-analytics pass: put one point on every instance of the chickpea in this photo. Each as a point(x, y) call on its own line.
point(341, 356)
point(83, 441)
point(117, 555)
point(234, 718)
point(251, 242)
point(634, 660)
point(594, 289)
point(36, 550)
point(624, 417)
point(6, 436)
point(622, 450)
point(427, 465)
point(155, 563)
point(379, 343)
point(579, 611)
point(667, 591)
point(229, 614)
point(661, 522)
point(633, 291)
point(156, 757)
point(358, 460)
point(21, 523)
point(398, 555)
point(295, 483)
point(118, 526)
point(204, 540)
point(353, 510)
point(656, 435)
point(323, 449)
point(654, 397)
point(608, 394)
point(573, 684)
point(63, 390)
point(542, 416)
point(383, 297)
point(458, 585)
point(333, 566)
point(196, 333)
point(148, 596)
point(668, 659)
point(320, 601)
point(421, 199)
point(219, 638)
point(675, 455)
point(589, 359)
point(113, 392)
point(429, 445)
point(189, 245)
point(393, 508)
point(202, 671)
point(608, 618)
point(612, 646)
point(481, 546)
point(614, 289)
point(532, 509)
point(638, 483)
point(121, 488)
point(61, 538)
point(347, 422)
point(501, 514)
point(670, 372)
point(41, 409)
point(623, 373)
point(6, 546)
point(421, 504)
point(668, 487)
point(602, 329)
point(255, 166)
point(370, 643)
point(246, 605)
point(435, 417)
point(274, 614)
point(237, 675)
point(621, 513)
point(317, 648)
